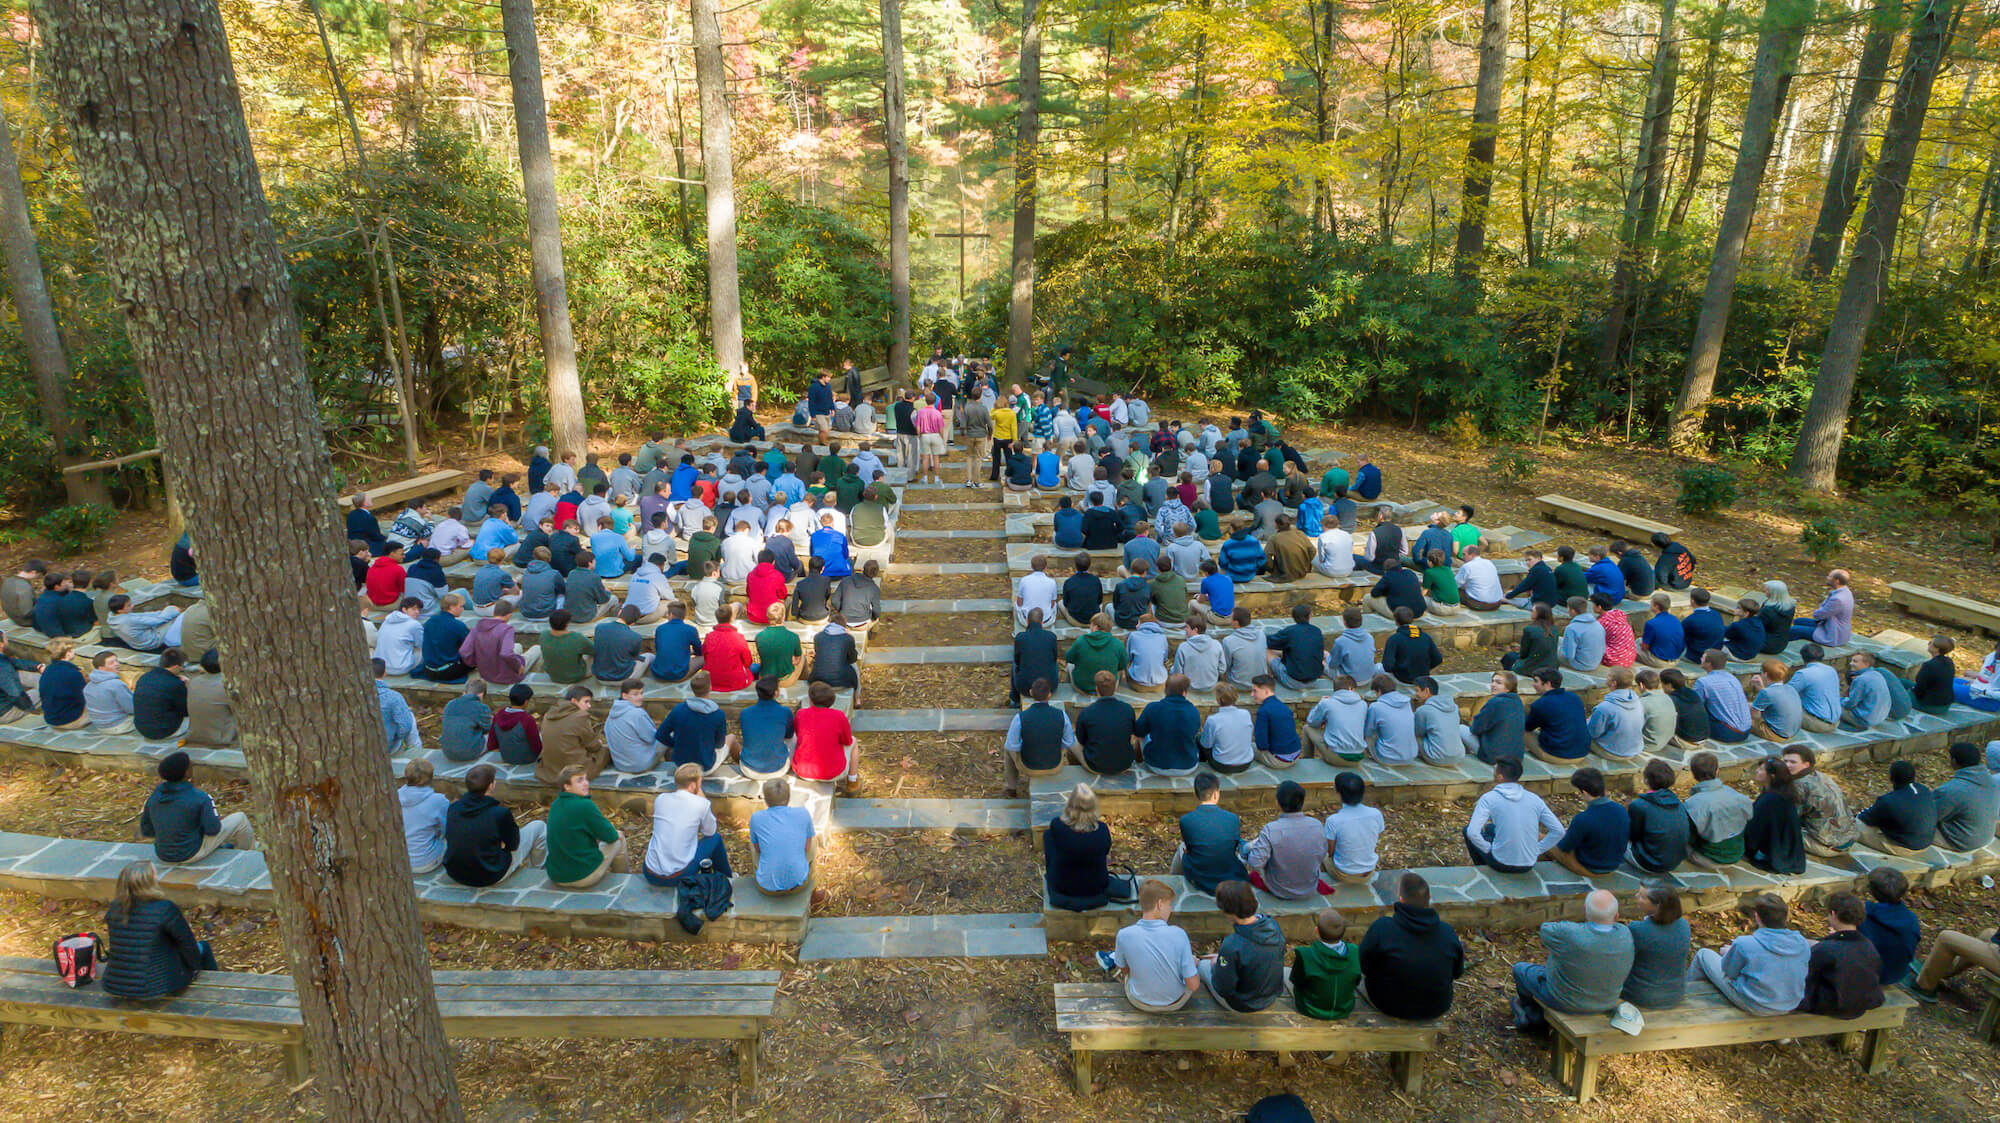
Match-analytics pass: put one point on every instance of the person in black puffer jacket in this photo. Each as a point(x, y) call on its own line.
point(1409, 958)
point(153, 951)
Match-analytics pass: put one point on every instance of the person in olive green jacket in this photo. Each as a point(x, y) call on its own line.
point(1094, 651)
point(1170, 596)
point(1325, 974)
point(582, 844)
point(566, 654)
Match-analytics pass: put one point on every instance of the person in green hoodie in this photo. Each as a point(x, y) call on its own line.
point(1170, 596)
point(583, 846)
point(1325, 974)
point(1094, 651)
point(1570, 579)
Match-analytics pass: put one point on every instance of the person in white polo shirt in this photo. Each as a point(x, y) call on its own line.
point(1154, 958)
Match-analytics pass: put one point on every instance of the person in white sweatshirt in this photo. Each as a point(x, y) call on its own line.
point(1511, 827)
point(1436, 722)
point(1201, 656)
point(1391, 726)
point(1334, 551)
point(1618, 724)
point(423, 810)
point(399, 642)
point(1337, 724)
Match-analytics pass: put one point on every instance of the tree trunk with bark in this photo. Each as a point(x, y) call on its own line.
point(1642, 193)
point(1704, 104)
point(899, 190)
point(545, 251)
point(1843, 176)
point(1783, 30)
point(718, 179)
point(1479, 151)
point(1027, 136)
point(1817, 454)
point(150, 97)
point(39, 337)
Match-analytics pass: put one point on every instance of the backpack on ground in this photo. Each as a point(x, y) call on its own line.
point(77, 958)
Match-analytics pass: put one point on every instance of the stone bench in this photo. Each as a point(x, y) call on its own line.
point(1563, 509)
point(1141, 791)
point(238, 1006)
point(1705, 1019)
point(621, 906)
point(401, 492)
point(1936, 605)
point(1098, 1019)
point(1485, 898)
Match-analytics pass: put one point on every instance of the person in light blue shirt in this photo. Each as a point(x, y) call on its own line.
point(1153, 957)
point(782, 842)
point(1391, 724)
point(1819, 690)
point(1582, 644)
point(789, 485)
point(398, 723)
point(1764, 970)
point(1146, 655)
point(496, 533)
point(649, 592)
point(1337, 724)
point(1435, 721)
point(614, 556)
point(1729, 715)
point(1867, 701)
point(1779, 711)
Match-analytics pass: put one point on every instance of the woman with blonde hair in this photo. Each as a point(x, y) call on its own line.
point(1077, 851)
point(1777, 613)
point(153, 951)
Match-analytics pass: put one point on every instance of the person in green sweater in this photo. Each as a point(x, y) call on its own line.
point(583, 846)
point(1335, 478)
point(1325, 974)
point(1094, 651)
point(780, 654)
point(566, 655)
point(1570, 581)
point(1463, 532)
point(1207, 526)
point(1440, 585)
point(703, 546)
point(1170, 596)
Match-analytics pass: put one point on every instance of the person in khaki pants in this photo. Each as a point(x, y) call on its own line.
point(975, 424)
point(582, 844)
point(180, 818)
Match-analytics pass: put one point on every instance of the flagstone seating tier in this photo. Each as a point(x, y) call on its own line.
point(1142, 791)
point(622, 905)
point(1475, 897)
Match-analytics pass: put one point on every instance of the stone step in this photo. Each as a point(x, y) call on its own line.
point(622, 905)
point(891, 606)
point(931, 721)
point(967, 654)
point(972, 935)
point(961, 535)
point(993, 506)
point(972, 816)
point(949, 569)
point(1477, 897)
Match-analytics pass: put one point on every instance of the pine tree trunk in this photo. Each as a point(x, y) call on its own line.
point(718, 179)
point(545, 251)
point(1778, 43)
point(154, 112)
point(1643, 190)
point(1843, 176)
point(1027, 136)
point(1817, 454)
point(1704, 105)
point(39, 337)
point(899, 191)
point(1479, 151)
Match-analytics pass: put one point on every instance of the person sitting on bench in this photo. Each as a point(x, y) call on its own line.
point(1410, 958)
point(1762, 971)
point(1586, 968)
point(1153, 958)
point(1830, 828)
point(107, 701)
point(1511, 828)
point(152, 953)
point(1773, 841)
point(684, 833)
point(1729, 716)
point(1557, 730)
point(1903, 820)
point(1284, 858)
point(1832, 623)
point(1844, 971)
point(1582, 645)
point(181, 820)
point(1247, 973)
point(1952, 953)
point(1659, 825)
point(1660, 942)
point(582, 844)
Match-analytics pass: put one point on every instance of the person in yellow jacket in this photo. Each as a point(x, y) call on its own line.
point(1006, 428)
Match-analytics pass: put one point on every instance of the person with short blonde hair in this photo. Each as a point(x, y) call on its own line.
point(423, 809)
point(684, 832)
point(783, 843)
point(1153, 958)
point(1076, 848)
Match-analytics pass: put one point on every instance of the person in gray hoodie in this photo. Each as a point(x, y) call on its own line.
point(1618, 724)
point(1391, 726)
point(1185, 553)
point(1511, 827)
point(1337, 725)
point(462, 734)
point(1245, 646)
point(1764, 970)
point(1968, 804)
point(1436, 725)
point(423, 810)
point(1353, 652)
point(1656, 707)
point(1717, 815)
point(107, 701)
point(140, 631)
point(541, 588)
point(1586, 968)
point(629, 730)
point(1582, 645)
point(1200, 656)
point(1660, 826)
point(1247, 973)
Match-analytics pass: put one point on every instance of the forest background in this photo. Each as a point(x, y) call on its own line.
point(1238, 201)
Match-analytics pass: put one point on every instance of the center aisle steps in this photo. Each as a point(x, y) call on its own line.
point(979, 935)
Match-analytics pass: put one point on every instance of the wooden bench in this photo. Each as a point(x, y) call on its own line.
point(1099, 1019)
point(1989, 1018)
point(1706, 1018)
point(1563, 509)
point(1920, 601)
point(236, 1006)
point(403, 491)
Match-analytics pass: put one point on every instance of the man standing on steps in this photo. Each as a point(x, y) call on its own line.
point(975, 423)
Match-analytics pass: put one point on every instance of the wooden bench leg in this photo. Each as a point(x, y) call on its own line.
point(1989, 1020)
point(1586, 1077)
point(1286, 1059)
point(1413, 1073)
point(1875, 1051)
point(1080, 1060)
point(747, 1049)
point(1559, 1060)
point(298, 1065)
